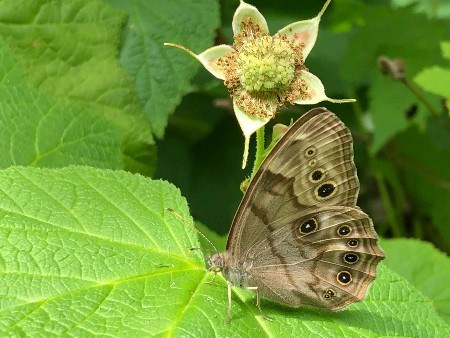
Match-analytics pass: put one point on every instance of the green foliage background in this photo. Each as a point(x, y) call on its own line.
point(94, 110)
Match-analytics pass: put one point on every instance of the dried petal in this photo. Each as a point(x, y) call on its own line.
point(392, 67)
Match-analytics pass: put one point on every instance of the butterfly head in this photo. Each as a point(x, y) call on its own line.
point(217, 261)
point(234, 272)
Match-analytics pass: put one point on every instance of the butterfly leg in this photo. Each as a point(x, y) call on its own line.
point(212, 280)
point(214, 270)
point(255, 288)
point(229, 302)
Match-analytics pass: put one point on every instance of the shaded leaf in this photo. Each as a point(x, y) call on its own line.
point(210, 174)
point(162, 74)
point(218, 241)
point(436, 9)
point(426, 175)
point(390, 33)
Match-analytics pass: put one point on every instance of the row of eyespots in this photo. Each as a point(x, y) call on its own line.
point(329, 293)
point(343, 231)
point(343, 277)
point(325, 190)
point(317, 174)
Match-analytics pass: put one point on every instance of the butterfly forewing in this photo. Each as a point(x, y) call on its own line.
point(311, 165)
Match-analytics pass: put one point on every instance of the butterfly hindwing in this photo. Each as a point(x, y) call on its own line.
point(325, 258)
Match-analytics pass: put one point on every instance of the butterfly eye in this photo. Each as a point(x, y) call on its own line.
point(344, 230)
point(352, 243)
point(308, 226)
point(311, 151)
point(316, 175)
point(312, 163)
point(351, 258)
point(344, 277)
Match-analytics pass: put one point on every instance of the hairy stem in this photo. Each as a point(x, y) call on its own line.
point(259, 156)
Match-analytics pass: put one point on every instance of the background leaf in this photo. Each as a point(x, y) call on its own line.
point(68, 50)
point(436, 79)
point(162, 74)
point(26, 116)
point(437, 9)
point(427, 177)
point(391, 36)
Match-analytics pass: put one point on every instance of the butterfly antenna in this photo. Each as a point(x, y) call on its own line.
point(192, 226)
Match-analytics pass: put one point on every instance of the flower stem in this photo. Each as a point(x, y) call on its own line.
point(259, 156)
point(397, 226)
point(421, 98)
point(324, 8)
point(427, 104)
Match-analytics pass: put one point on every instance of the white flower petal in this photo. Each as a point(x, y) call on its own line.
point(210, 57)
point(249, 124)
point(245, 11)
point(304, 31)
point(316, 91)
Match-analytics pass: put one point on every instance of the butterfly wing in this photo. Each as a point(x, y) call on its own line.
point(311, 165)
point(287, 228)
point(325, 258)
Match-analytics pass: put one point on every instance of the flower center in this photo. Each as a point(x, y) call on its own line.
point(266, 64)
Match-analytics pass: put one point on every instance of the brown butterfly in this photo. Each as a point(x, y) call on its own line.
point(298, 237)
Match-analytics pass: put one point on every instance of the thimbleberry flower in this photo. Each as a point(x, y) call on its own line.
point(264, 73)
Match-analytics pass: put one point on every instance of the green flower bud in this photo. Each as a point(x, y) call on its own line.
point(266, 64)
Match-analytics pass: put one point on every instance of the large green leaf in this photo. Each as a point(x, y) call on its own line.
point(426, 268)
point(163, 74)
point(85, 251)
point(68, 50)
point(37, 131)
